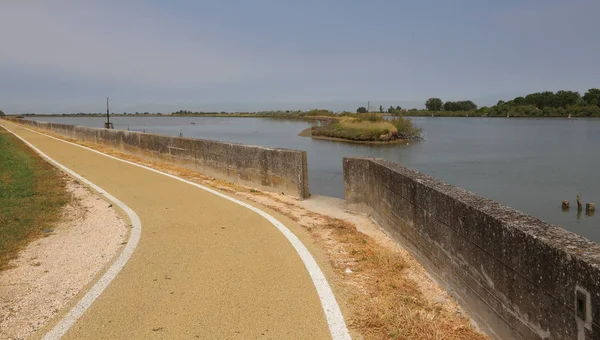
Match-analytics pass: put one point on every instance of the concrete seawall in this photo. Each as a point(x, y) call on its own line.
point(277, 170)
point(517, 276)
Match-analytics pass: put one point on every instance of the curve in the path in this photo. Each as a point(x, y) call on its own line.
point(334, 319)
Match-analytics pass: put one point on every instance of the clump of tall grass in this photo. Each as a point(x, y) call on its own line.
point(369, 127)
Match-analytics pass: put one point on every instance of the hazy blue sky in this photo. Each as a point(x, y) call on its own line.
point(66, 56)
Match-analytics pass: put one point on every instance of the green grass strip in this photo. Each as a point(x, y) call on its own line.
point(32, 195)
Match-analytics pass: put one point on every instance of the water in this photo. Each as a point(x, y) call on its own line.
point(529, 164)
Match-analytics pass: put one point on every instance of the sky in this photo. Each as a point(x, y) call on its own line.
point(66, 56)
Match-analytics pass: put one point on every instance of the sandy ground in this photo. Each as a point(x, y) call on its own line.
point(336, 208)
point(53, 269)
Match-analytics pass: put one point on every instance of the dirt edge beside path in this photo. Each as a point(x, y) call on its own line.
point(52, 270)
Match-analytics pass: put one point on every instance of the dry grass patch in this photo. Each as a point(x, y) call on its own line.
point(387, 303)
point(368, 128)
point(352, 123)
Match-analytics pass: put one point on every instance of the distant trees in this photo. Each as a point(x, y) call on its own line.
point(519, 101)
point(464, 105)
point(182, 113)
point(567, 98)
point(319, 112)
point(434, 104)
point(563, 103)
point(1, 113)
point(540, 99)
point(394, 111)
point(592, 97)
point(550, 99)
point(549, 104)
point(391, 109)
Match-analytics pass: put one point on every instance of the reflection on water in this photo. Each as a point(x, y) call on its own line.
point(529, 164)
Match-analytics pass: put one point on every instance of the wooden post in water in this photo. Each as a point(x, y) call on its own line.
point(107, 124)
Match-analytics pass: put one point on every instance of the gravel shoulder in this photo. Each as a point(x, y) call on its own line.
point(52, 270)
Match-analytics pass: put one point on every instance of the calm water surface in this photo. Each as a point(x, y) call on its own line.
point(529, 164)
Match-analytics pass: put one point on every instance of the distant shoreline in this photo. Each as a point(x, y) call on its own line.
point(500, 117)
point(283, 116)
point(228, 115)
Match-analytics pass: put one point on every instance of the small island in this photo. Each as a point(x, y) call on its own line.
point(367, 128)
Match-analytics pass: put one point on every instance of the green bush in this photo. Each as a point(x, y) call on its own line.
point(406, 130)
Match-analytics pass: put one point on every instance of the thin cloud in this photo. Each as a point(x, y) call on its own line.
point(151, 56)
point(120, 43)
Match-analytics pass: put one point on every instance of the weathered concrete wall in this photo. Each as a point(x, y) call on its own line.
point(277, 170)
point(516, 275)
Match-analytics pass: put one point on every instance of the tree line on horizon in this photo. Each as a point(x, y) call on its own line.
point(539, 104)
point(391, 109)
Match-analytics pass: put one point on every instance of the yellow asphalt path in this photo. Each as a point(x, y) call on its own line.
point(204, 268)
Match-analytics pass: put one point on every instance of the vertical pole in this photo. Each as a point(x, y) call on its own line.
point(107, 114)
point(369, 106)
